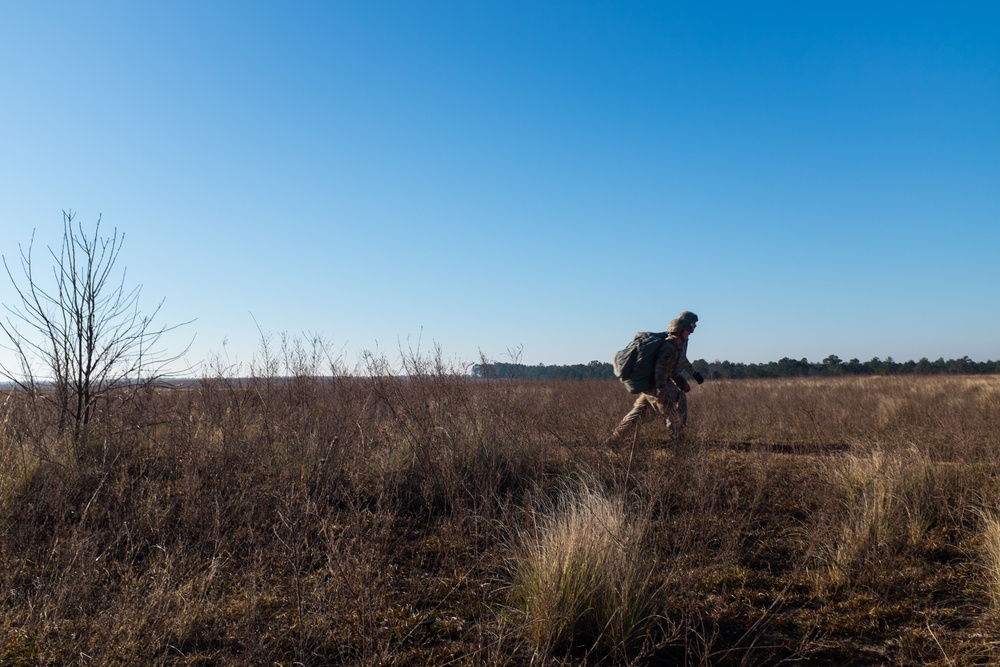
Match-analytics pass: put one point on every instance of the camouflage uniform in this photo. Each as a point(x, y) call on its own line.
point(678, 398)
point(685, 370)
point(674, 407)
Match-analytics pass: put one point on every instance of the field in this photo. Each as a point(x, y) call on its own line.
point(429, 519)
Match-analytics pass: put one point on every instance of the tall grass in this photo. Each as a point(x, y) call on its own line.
point(878, 505)
point(866, 486)
point(583, 578)
point(949, 418)
point(991, 554)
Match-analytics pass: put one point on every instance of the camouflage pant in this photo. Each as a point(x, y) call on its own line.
point(673, 410)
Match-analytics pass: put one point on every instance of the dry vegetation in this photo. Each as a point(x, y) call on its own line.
point(427, 519)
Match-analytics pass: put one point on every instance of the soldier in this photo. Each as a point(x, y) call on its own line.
point(669, 386)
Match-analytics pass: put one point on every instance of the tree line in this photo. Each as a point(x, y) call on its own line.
point(595, 370)
point(834, 365)
point(785, 367)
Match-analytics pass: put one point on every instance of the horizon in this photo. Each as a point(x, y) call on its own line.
point(467, 370)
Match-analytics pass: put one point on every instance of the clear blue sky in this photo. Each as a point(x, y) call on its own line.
point(811, 178)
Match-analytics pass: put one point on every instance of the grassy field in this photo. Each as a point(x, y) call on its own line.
point(433, 520)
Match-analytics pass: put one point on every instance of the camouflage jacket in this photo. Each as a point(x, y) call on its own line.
point(668, 363)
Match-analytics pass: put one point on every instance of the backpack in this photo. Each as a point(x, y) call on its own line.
point(636, 364)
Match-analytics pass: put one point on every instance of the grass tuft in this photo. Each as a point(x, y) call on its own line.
point(583, 578)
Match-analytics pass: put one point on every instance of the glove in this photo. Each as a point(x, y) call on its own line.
point(698, 377)
point(682, 383)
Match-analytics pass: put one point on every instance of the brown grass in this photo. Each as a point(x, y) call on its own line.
point(583, 575)
point(383, 519)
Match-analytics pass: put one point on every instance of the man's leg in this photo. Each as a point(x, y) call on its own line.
point(674, 411)
point(635, 416)
point(682, 413)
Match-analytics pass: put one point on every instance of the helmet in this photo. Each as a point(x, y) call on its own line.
point(678, 325)
point(689, 316)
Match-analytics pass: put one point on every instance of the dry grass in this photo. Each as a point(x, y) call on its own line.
point(991, 554)
point(381, 519)
point(583, 577)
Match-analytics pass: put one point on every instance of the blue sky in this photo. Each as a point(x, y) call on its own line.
point(810, 178)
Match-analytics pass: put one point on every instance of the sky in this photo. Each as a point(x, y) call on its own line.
point(520, 180)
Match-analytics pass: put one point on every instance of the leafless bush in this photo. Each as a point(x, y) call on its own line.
point(82, 345)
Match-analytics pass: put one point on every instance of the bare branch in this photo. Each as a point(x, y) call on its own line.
point(85, 336)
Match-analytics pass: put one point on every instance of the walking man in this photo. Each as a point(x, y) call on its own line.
point(666, 397)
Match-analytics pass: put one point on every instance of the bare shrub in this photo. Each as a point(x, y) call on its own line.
point(82, 345)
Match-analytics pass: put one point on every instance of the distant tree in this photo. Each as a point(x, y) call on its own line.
point(961, 366)
point(854, 366)
point(833, 365)
point(793, 368)
point(874, 365)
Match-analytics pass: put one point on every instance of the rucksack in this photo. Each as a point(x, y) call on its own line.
point(636, 364)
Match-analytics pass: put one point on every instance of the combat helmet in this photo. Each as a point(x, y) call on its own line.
point(677, 325)
point(689, 316)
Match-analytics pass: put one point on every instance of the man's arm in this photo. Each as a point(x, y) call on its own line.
point(684, 368)
point(666, 365)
